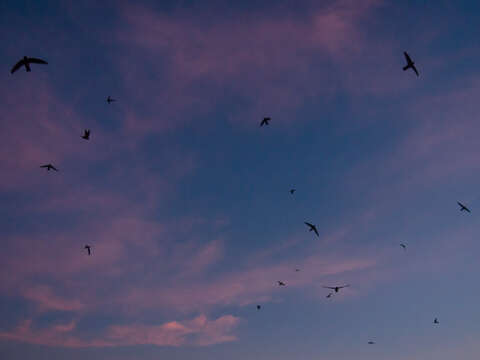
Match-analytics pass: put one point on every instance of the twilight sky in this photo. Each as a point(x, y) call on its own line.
point(184, 198)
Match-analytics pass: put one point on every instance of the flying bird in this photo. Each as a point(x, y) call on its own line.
point(312, 227)
point(88, 247)
point(258, 307)
point(463, 207)
point(86, 134)
point(26, 61)
point(297, 270)
point(281, 283)
point(435, 321)
point(403, 246)
point(329, 295)
point(336, 288)
point(371, 342)
point(410, 63)
point(292, 191)
point(265, 121)
point(49, 167)
point(110, 100)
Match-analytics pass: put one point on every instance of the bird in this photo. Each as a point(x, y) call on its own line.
point(110, 100)
point(410, 63)
point(281, 283)
point(329, 295)
point(258, 307)
point(435, 321)
point(49, 167)
point(88, 247)
point(463, 207)
point(371, 342)
point(312, 227)
point(292, 191)
point(26, 61)
point(336, 288)
point(403, 246)
point(297, 270)
point(265, 121)
point(86, 134)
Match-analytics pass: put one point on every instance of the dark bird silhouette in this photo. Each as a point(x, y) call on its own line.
point(265, 121)
point(110, 100)
point(312, 227)
point(49, 167)
point(26, 61)
point(292, 191)
point(410, 63)
point(297, 270)
point(258, 307)
point(329, 295)
point(86, 134)
point(336, 288)
point(281, 283)
point(403, 246)
point(371, 342)
point(435, 321)
point(88, 247)
point(463, 207)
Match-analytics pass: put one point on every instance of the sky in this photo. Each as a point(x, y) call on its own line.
point(185, 199)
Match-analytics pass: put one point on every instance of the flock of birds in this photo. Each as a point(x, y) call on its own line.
point(27, 61)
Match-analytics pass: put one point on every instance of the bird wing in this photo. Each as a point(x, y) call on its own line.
point(54, 168)
point(37, 61)
point(308, 224)
point(344, 286)
point(43, 166)
point(415, 69)
point(316, 231)
point(407, 57)
point(328, 287)
point(17, 66)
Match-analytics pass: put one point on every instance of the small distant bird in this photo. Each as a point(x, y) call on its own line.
point(265, 121)
point(88, 247)
point(26, 61)
point(329, 295)
point(110, 100)
point(292, 191)
point(258, 307)
point(435, 321)
point(281, 283)
point(312, 227)
point(86, 134)
point(336, 288)
point(410, 63)
point(297, 270)
point(49, 167)
point(371, 342)
point(403, 246)
point(463, 207)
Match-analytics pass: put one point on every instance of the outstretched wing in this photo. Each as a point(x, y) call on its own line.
point(344, 286)
point(54, 168)
point(315, 231)
point(37, 61)
point(17, 66)
point(415, 69)
point(407, 57)
point(328, 287)
point(308, 224)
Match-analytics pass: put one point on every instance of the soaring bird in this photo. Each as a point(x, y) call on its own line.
point(463, 207)
point(26, 61)
point(88, 247)
point(297, 270)
point(435, 321)
point(403, 246)
point(265, 121)
point(336, 288)
point(371, 342)
point(312, 227)
point(292, 191)
point(281, 283)
point(329, 295)
point(410, 63)
point(86, 134)
point(258, 307)
point(110, 100)
point(49, 167)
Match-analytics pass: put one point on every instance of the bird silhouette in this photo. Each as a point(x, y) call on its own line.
point(435, 321)
point(463, 207)
point(86, 134)
point(281, 283)
point(403, 246)
point(292, 191)
point(265, 121)
point(329, 295)
point(297, 270)
point(312, 227)
point(49, 167)
point(88, 247)
point(26, 61)
point(371, 342)
point(410, 63)
point(336, 288)
point(110, 100)
point(258, 307)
